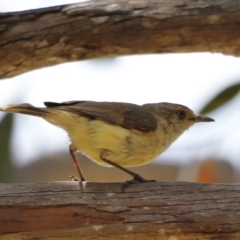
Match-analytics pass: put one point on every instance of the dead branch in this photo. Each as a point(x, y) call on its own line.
point(93, 29)
point(161, 210)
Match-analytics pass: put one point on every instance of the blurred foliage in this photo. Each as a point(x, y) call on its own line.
point(6, 126)
point(222, 98)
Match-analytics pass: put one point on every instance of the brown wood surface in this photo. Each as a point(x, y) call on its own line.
point(43, 37)
point(161, 210)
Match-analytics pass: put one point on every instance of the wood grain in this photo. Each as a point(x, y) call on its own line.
point(161, 210)
point(43, 37)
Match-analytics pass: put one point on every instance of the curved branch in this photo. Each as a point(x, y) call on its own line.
point(44, 37)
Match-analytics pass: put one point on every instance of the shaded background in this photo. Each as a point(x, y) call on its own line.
point(33, 150)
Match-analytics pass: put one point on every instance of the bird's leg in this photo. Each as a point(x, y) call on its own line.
point(136, 177)
point(76, 164)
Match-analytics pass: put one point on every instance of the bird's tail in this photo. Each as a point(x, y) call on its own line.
point(26, 108)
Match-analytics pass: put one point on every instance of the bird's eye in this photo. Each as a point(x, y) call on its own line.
point(181, 114)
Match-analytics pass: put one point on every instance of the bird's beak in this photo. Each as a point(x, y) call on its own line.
point(202, 119)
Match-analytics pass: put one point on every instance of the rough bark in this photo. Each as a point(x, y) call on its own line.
point(65, 210)
point(106, 28)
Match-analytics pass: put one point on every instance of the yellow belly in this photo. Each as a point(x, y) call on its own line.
point(122, 146)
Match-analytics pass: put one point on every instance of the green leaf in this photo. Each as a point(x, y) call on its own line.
point(6, 126)
point(222, 98)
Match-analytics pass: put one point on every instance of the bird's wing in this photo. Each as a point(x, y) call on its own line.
point(127, 115)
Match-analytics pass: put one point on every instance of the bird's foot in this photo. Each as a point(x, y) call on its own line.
point(81, 182)
point(73, 178)
point(137, 179)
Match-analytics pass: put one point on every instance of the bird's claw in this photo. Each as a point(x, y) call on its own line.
point(73, 178)
point(137, 179)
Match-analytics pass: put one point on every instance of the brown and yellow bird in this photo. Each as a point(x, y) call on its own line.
point(114, 133)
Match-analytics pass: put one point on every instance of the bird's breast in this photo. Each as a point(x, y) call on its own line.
point(123, 146)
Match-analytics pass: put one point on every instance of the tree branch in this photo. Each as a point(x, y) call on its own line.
point(64, 210)
point(44, 37)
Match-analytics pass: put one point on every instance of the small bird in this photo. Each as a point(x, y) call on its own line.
point(115, 133)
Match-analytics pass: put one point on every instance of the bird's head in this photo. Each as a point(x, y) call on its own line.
point(179, 117)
